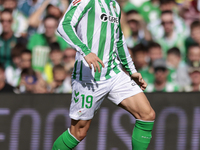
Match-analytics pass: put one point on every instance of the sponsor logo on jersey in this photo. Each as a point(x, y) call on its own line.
point(104, 17)
point(75, 2)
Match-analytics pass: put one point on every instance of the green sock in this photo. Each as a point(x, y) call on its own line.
point(65, 141)
point(142, 134)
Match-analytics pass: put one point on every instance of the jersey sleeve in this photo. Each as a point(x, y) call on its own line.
point(67, 26)
point(123, 52)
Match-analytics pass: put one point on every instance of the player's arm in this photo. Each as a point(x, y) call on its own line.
point(66, 29)
point(126, 59)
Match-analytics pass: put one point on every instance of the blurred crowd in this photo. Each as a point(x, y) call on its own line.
point(163, 37)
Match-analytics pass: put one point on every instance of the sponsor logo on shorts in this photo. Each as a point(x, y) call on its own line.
point(80, 112)
point(104, 17)
point(133, 84)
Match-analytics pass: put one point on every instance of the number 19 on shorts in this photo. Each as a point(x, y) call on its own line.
point(87, 101)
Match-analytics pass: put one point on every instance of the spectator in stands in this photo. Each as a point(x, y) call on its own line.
point(26, 58)
point(62, 80)
point(69, 59)
point(177, 67)
point(28, 7)
point(27, 82)
point(193, 53)
point(194, 37)
point(139, 56)
point(154, 52)
point(168, 5)
point(171, 38)
point(39, 43)
point(155, 27)
point(139, 33)
point(194, 72)
point(161, 84)
point(4, 87)
point(20, 22)
point(150, 10)
point(41, 87)
point(48, 7)
point(13, 72)
point(188, 11)
point(56, 58)
point(7, 38)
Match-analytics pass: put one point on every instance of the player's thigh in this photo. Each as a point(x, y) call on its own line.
point(139, 106)
point(79, 128)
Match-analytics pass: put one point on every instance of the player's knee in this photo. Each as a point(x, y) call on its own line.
point(148, 116)
point(151, 115)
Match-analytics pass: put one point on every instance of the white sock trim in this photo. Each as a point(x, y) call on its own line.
point(73, 136)
point(144, 121)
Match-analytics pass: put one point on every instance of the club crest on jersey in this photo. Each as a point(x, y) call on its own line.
point(75, 2)
point(104, 17)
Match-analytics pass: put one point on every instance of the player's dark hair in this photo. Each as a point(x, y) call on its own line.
point(174, 51)
point(54, 47)
point(163, 2)
point(58, 67)
point(2, 67)
point(138, 48)
point(131, 12)
point(195, 24)
point(153, 45)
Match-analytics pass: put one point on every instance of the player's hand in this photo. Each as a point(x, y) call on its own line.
point(92, 59)
point(137, 77)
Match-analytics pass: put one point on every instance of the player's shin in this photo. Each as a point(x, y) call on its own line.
point(65, 141)
point(142, 134)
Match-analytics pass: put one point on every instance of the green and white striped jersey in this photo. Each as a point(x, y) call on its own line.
point(94, 26)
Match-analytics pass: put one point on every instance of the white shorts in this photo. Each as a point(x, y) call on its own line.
point(87, 97)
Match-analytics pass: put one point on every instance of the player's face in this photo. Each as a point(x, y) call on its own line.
point(6, 21)
point(50, 27)
point(194, 54)
point(167, 22)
